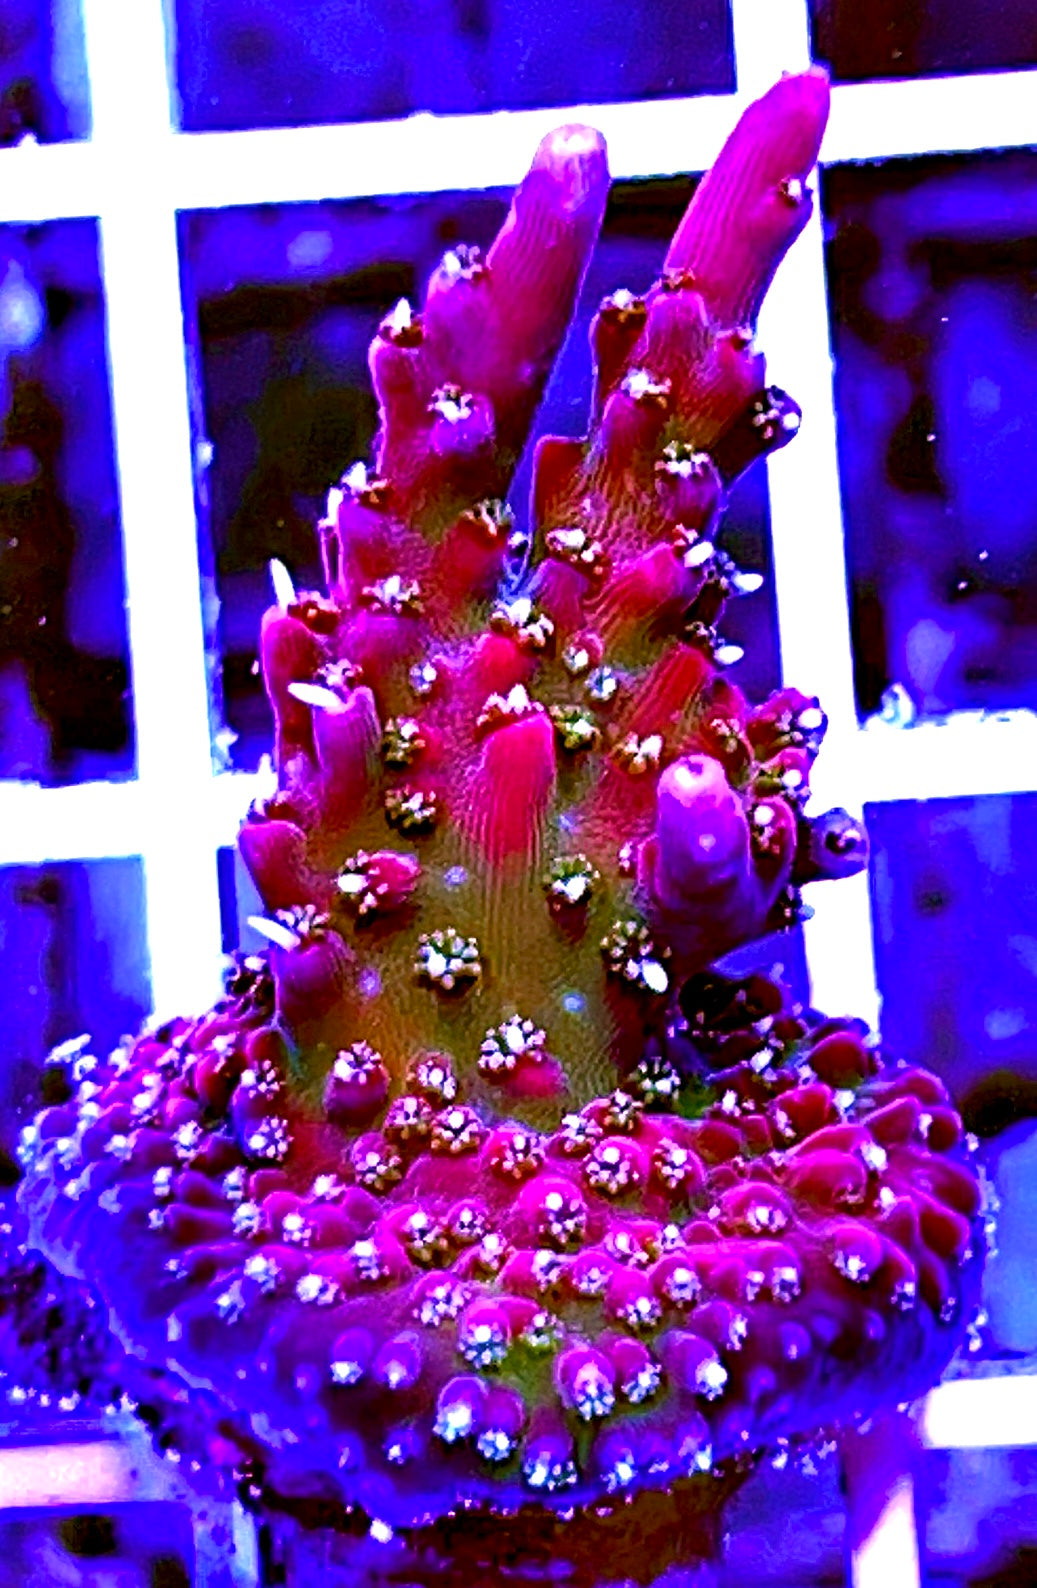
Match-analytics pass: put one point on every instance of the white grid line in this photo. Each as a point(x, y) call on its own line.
point(813, 603)
point(136, 172)
point(981, 1414)
point(814, 630)
point(968, 755)
point(425, 153)
point(153, 443)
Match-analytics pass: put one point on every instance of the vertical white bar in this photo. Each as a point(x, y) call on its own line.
point(770, 37)
point(806, 507)
point(807, 533)
point(222, 1562)
point(246, 1548)
point(813, 607)
point(126, 54)
point(889, 1554)
point(881, 1530)
point(814, 627)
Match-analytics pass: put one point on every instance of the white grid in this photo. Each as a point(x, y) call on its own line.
point(136, 172)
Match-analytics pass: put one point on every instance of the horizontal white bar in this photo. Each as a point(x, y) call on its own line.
point(99, 1472)
point(981, 1413)
point(930, 115)
point(90, 821)
point(83, 822)
point(425, 153)
point(40, 182)
point(428, 153)
point(964, 757)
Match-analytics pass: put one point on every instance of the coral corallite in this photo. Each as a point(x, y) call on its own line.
point(481, 1193)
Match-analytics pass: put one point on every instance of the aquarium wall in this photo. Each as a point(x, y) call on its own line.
point(206, 209)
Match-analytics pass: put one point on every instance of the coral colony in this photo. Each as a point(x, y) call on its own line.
point(482, 1194)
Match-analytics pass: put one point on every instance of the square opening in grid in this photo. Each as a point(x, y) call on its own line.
point(930, 266)
point(43, 84)
point(288, 63)
point(65, 712)
point(954, 899)
point(977, 1517)
point(868, 39)
point(73, 950)
point(145, 1545)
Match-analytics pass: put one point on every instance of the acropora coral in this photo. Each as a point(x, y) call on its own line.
point(484, 1192)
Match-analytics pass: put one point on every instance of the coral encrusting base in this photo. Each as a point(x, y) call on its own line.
point(482, 1192)
point(613, 1305)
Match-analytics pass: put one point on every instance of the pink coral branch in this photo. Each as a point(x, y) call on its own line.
point(752, 205)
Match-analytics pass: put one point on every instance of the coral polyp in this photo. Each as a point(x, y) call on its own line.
point(483, 1188)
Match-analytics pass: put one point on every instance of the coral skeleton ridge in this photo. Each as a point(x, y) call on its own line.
point(483, 1187)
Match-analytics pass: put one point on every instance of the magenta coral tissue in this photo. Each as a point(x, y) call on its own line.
point(485, 1219)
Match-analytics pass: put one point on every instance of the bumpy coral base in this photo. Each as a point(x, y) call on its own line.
point(611, 1307)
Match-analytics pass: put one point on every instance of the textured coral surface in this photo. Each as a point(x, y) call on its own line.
point(481, 1189)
